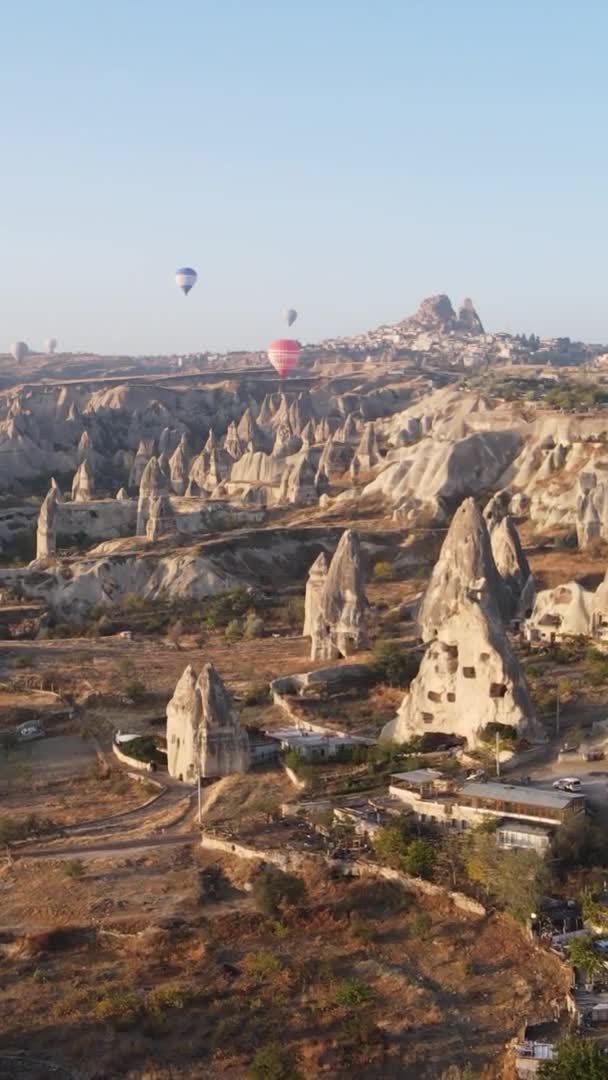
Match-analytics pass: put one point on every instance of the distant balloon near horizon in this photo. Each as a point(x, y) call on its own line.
point(283, 355)
point(290, 315)
point(186, 277)
point(19, 351)
point(50, 345)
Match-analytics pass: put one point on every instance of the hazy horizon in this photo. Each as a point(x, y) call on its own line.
point(347, 162)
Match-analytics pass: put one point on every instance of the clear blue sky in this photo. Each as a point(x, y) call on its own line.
point(346, 157)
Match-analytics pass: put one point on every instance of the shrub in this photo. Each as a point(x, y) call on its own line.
point(133, 602)
point(273, 888)
point(274, 1062)
point(383, 571)
point(232, 604)
point(295, 612)
point(421, 925)
point(234, 630)
point(256, 694)
point(135, 690)
point(392, 665)
point(166, 997)
point(122, 1007)
point(261, 963)
point(253, 627)
point(74, 868)
point(353, 993)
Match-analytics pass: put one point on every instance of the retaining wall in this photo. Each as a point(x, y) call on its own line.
point(294, 860)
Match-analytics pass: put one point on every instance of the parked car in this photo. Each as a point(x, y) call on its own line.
point(567, 783)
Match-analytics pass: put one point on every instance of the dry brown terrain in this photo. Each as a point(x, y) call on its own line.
point(137, 978)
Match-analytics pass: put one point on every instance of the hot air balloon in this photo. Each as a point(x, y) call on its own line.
point(19, 351)
point(283, 354)
point(50, 345)
point(290, 315)
point(186, 277)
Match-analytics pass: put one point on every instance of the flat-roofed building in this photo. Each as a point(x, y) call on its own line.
point(521, 801)
point(527, 815)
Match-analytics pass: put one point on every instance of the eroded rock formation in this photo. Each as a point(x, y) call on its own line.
point(465, 570)
point(204, 735)
point(468, 678)
point(340, 618)
point(161, 517)
point(83, 484)
point(46, 533)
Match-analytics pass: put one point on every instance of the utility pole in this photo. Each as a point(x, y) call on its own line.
point(497, 753)
point(200, 800)
point(557, 704)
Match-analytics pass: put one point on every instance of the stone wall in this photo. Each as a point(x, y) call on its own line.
point(296, 860)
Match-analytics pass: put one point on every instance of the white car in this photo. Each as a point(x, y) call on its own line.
point(567, 783)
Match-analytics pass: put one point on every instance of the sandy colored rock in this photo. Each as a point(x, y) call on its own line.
point(83, 484)
point(46, 532)
point(468, 678)
point(465, 570)
point(204, 734)
point(340, 624)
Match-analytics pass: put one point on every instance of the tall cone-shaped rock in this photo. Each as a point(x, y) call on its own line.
point(512, 564)
point(161, 517)
point(83, 484)
point(204, 735)
point(178, 467)
point(465, 568)
point(46, 534)
point(314, 587)
point(340, 626)
point(468, 679)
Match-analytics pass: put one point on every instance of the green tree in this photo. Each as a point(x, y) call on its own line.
point(583, 955)
point(391, 844)
point(393, 665)
point(517, 879)
point(577, 1059)
point(273, 888)
point(419, 858)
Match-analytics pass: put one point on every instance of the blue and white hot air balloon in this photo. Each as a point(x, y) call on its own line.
point(186, 277)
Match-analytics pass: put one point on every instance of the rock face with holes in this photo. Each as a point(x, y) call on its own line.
point(338, 625)
point(204, 735)
point(566, 611)
point(469, 676)
point(468, 679)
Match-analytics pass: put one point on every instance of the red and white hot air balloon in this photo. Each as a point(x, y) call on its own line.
point(283, 355)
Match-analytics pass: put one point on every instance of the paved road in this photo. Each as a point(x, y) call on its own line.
point(592, 774)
